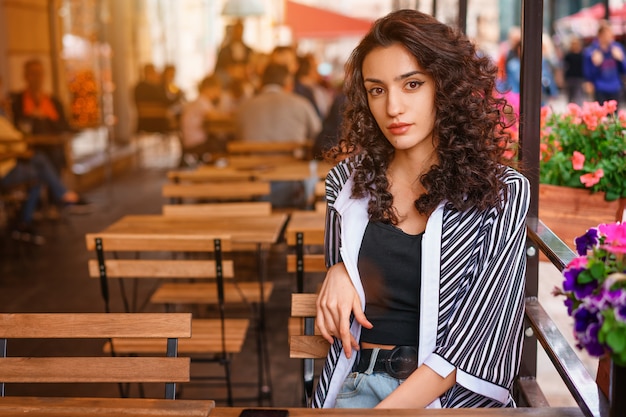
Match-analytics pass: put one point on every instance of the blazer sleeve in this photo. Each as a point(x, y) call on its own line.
point(335, 181)
point(483, 340)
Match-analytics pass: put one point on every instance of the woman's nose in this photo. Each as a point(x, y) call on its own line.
point(394, 103)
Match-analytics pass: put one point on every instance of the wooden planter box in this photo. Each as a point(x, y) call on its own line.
point(569, 212)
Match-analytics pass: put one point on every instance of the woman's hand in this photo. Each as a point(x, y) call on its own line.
point(337, 300)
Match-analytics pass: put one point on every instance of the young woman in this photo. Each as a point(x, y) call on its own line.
point(424, 296)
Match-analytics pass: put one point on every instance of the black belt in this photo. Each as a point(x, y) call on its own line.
point(399, 362)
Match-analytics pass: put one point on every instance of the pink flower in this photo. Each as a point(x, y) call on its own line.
point(574, 109)
point(577, 263)
point(610, 106)
point(592, 178)
point(578, 160)
point(591, 120)
point(615, 237)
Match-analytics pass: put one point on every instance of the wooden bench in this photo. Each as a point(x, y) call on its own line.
point(213, 339)
point(161, 328)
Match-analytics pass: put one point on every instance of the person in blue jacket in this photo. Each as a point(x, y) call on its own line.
point(603, 65)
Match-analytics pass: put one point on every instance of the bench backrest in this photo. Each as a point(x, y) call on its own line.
point(105, 267)
point(168, 369)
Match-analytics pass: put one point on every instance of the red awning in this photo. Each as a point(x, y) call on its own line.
point(313, 22)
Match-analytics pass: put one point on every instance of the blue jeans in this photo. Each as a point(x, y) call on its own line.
point(35, 172)
point(367, 389)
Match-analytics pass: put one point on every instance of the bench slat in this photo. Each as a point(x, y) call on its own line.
point(94, 325)
point(205, 339)
point(94, 369)
point(307, 347)
point(160, 268)
point(312, 263)
point(206, 293)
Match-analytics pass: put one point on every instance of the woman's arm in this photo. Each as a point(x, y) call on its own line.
point(420, 389)
point(338, 299)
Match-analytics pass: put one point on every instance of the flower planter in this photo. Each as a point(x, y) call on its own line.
point(569, 212)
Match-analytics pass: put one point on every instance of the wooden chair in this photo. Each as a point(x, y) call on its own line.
point(159, 328)
point(217, 191)
point(303, 342)
point(213, 339)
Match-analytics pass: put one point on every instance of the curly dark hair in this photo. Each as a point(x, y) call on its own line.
point(469, 130)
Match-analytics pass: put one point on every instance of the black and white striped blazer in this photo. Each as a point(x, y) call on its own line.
point(472, 291)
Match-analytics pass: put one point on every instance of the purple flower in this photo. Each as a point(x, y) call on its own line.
point(571, 283)
point(583, 318)
point(587, 324)
point(593, 346)
point(594, 286)
point(586, 241)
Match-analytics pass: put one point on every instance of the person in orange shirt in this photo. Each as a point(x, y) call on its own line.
point(37, 112)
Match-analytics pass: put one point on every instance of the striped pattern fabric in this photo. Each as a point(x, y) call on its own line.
point(478, 326)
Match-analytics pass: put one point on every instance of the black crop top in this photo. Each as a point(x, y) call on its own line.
point(390, 268)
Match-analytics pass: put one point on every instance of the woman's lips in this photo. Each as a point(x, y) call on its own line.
point(398, 128)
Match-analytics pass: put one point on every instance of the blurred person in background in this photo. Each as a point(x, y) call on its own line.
point(603, 65)
point(151, 102)
point(276, 113)
point(308, 85)
point(573, 72)
point(287, 56)
point(174, 96)
point(211, 104)
point(514, 38)
point(331, 127)
point(23, 167)
point(233, 50)
point(36, 112)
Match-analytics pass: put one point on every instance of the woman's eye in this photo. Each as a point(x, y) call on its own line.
point(375, 91)
point(413, 85)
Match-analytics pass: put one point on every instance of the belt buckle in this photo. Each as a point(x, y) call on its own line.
point(400, 364)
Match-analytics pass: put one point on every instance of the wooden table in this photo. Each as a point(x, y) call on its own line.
point(263, 230)
point(459, 412)
point(307, 222)
point(83, 407)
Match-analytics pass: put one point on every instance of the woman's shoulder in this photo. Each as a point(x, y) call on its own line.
point(517, 188)
point(339, 175)
point(510, 176)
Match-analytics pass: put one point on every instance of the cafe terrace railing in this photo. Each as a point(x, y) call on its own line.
point(582, 386)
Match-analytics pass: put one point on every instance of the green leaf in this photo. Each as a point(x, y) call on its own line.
point(617, 340)
point(597, 270)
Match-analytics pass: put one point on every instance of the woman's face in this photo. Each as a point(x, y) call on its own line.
point(401, 97)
